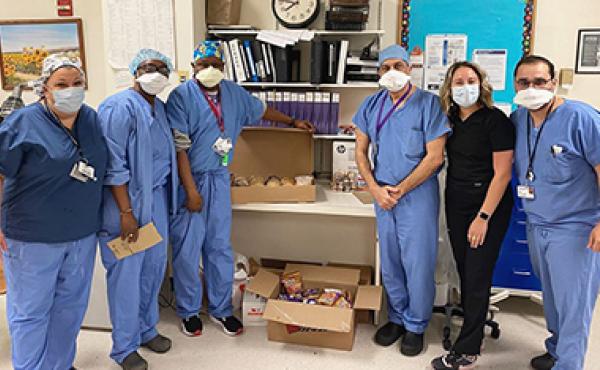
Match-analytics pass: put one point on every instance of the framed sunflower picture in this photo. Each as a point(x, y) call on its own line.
point(25, 43)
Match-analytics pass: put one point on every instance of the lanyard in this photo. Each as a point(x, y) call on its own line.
point(67, 132)
point(529, 174)
point(216, 109)
point(380, 122)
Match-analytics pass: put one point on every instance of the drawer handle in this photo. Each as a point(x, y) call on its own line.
point(522, 273)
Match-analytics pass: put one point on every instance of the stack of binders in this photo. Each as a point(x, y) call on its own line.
point(328, 61)
point(320, 108)
point(347, 15)
point(256, 61)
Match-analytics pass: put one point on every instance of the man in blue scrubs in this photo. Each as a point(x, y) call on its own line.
point(140, 188)
point(207, 114)
point(407, 131)
point(52, 161)
point(557, 159)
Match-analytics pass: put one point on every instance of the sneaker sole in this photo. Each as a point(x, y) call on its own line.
point(227, 332)
point(189, 334)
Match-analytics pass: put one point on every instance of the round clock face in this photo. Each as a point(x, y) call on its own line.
point(296, 13)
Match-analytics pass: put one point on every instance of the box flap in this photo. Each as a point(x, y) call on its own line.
point(272, 151)
point(368, 297)
point(310, 316)
point(326, 274)
point(265, 284)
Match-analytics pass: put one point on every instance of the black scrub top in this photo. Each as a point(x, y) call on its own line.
point(471, 146)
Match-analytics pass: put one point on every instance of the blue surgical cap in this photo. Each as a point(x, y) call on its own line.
point(393, 52)
point(148, 54)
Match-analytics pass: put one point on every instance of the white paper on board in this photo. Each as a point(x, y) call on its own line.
point(493, 61)
point(441, 51)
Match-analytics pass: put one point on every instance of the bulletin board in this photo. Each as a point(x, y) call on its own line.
point(503, 24)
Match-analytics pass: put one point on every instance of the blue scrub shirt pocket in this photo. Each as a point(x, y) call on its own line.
point(414, 141)
point(561, 167)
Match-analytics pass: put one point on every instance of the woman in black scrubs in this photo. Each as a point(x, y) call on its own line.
point(478, 199)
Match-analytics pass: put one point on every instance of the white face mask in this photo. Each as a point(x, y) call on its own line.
point(394, 80)
point(465, 96)
point(68, 100)
point(153, 83)
point(532, 98)
point(210, 77)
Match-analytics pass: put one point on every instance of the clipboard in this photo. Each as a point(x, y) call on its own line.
point(148, 237)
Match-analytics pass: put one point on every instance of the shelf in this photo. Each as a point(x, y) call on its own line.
point(316, 32)
point(334, 137)
point(328, 203)
point(355, 85)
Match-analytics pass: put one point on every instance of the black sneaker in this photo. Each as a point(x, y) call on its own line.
point(412, 344)
point(389, 334)
point(452, 361)
point(134, 361)
point(158, 344)
point(543, 362)
point(231, 325)
point(192, 327)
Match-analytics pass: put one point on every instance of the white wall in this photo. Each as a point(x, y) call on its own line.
point(189, 29)
point(90, 12)
point(556, 39)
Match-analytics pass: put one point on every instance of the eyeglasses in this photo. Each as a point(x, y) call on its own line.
point(151, 68)
point(524, 83)
point(398, 66)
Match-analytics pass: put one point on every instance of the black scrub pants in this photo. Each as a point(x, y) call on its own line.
point(475, 266)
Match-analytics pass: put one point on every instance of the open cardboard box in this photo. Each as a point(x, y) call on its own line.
point(315, 325)
point(273, 152)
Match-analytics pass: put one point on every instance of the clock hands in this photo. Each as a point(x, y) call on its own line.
point(293, 4)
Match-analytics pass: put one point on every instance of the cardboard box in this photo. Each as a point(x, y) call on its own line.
point(366, 278)
point(223, 12)
point(314, 325)
point(343, 161)
point(253, 307)
point(273, 152)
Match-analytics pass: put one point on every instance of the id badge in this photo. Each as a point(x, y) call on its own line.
point(225, 160)
point(222, 146)
point(83, 172)
point(77, 174)
point(525, 192)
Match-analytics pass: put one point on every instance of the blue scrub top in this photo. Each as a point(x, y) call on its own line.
point(189, 112)
point(42, 202)
point(402, 140)
point(141, 153)
point(565, 184)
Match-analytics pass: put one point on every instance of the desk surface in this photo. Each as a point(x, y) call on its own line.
point(328, 202)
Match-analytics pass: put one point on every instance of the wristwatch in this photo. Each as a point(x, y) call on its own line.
point(484, 216)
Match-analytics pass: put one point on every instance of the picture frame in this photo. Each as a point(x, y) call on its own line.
point(25, 43)
point(588, 51)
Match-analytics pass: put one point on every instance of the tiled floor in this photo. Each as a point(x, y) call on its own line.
point(520, 319)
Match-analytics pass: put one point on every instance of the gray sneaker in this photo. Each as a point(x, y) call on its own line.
point(134, 361)
point(452, 361)
point(158, 344)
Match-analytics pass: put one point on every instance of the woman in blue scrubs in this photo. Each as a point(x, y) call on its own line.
point(478, 200)
point(140, 184)
point(557, 160)
point(52, 161)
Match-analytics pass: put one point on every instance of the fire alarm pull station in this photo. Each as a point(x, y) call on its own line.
point(65, 8)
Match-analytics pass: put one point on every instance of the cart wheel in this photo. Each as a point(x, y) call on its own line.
point(495, 333)
point(446, 332)
point(447, 344)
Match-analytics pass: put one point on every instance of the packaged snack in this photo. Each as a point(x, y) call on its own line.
point(304, 180)
point(240, 181)
point(256, 181)
point(273, 182)
point(292, 283)
point(328, 298)
point(310, 301)
point(342, 302)
point(287, 181)
point(312, 293)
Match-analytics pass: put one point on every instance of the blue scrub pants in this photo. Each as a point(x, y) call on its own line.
point(134, 283)
point(570, 275)
point(48, 286)
point(408, 240)
point(204, 235)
